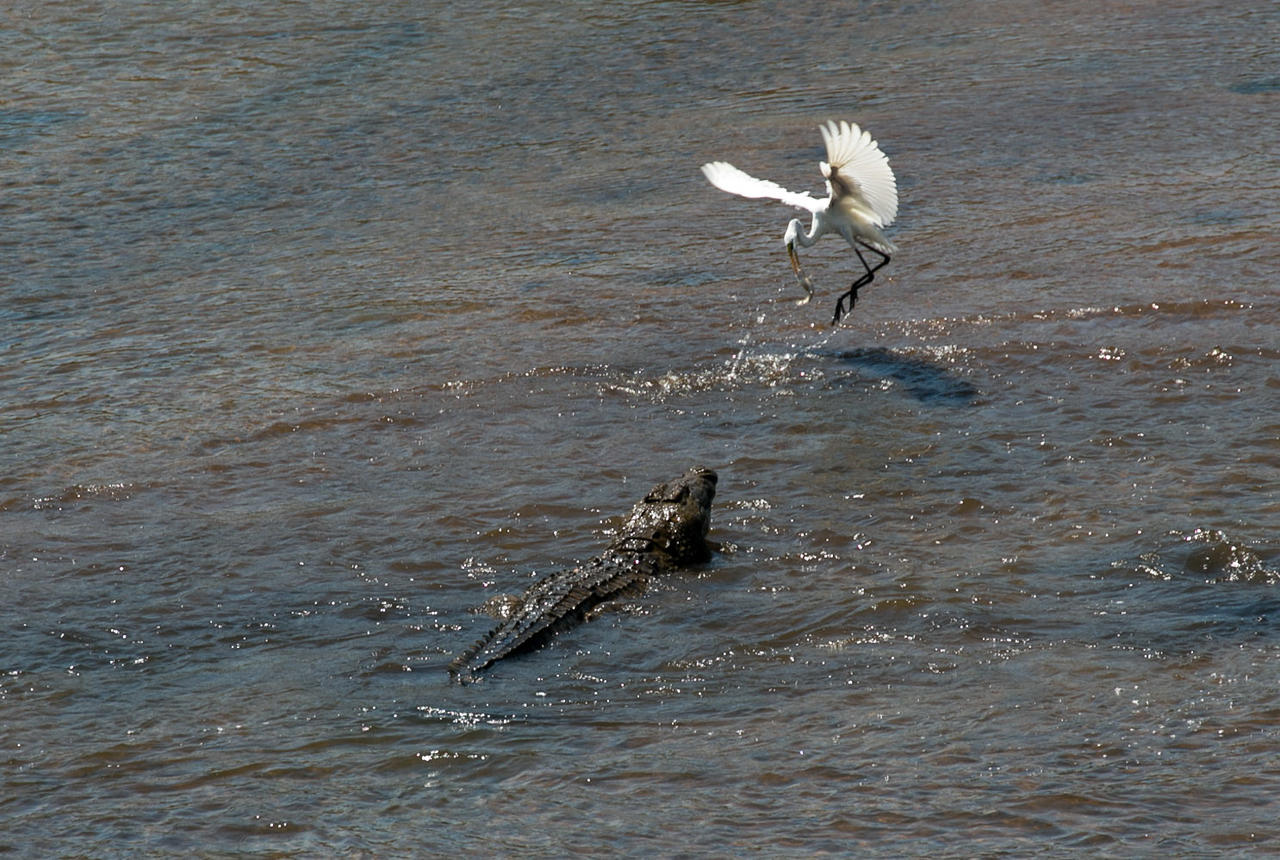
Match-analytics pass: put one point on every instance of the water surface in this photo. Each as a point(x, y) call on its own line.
point(323, 324)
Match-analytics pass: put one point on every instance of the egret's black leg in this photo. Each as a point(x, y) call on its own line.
point(852, 293)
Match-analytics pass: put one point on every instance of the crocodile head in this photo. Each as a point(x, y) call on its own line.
point(672, 520)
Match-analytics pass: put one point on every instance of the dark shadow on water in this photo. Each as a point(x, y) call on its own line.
point(926, 381)
point(1264, 612)
point(1256, 86)
point(1200, 585)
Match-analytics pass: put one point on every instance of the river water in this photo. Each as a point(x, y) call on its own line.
point(323, 323)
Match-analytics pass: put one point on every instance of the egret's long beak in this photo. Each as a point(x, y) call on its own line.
point(801, 276)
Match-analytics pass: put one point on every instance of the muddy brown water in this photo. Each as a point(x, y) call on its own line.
point(323, 324)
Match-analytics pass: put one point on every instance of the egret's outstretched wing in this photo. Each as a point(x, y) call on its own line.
point(726, 177)
point(856, 167)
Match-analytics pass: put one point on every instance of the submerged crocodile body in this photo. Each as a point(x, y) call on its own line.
point(667, 529)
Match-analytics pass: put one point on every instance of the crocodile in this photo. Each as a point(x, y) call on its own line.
point(665, 530)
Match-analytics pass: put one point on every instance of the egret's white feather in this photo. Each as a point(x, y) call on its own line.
point(853, 155)
point(726, 177)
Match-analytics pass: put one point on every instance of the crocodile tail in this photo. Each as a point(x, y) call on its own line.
point(552, 605)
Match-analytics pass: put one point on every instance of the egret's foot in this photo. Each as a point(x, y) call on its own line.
point(852, 296)
point(852, 293)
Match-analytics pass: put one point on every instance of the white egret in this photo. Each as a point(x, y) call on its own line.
point(862, 197)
